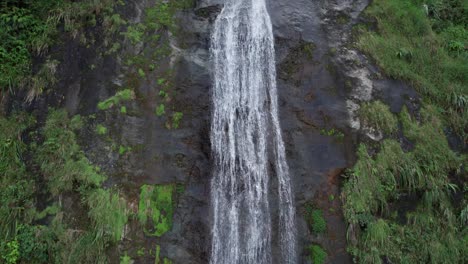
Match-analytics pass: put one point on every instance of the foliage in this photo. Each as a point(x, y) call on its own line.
point(60, 158)
point(59, 161)
point(121, 96)
point(160, 110)
point(16, 200)
point(108, 213)
point(317, 254)
point(101, 130)
point(332, 133)
point(377, 182)
point(29, 27)
point(156, 208)
point(315, 220)
point(125, 259)
point(176, 118)
point(377, 115)
point(25, 31)
point(318, 222)
point(426, 51)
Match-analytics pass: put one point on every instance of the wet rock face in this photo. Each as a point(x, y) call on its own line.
point(320, 84)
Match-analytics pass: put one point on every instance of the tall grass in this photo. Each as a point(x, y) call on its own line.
point(406, 47)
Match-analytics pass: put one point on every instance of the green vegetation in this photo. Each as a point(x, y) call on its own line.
point(141, 72)
point(101, 130)
point(318, 222)
point(424, 50)
point(121, 96)
point(156, 208)
point(28, 28)
point(332, 133)
point(309, 49)
point(317, 254)
point(375, 183)
point(377, 115)
point(315, 220)
point(59, 164)
point(125, 259)
point(176, 118)
point(160, 110)
point(123, 150)
point(123, 110)
point(421, 46)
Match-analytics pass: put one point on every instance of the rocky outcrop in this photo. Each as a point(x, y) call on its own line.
point(321, 81)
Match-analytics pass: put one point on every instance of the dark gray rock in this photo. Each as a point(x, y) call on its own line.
point(321, 82)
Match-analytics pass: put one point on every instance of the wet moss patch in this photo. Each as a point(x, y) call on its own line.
point(156, 208)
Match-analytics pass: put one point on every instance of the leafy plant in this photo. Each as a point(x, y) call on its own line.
point(156, 208)
point(101, 130)
point(176, 118)
point(160, 110)
point(317, 254)
point(121, 96)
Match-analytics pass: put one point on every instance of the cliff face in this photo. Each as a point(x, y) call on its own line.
point(321, 81)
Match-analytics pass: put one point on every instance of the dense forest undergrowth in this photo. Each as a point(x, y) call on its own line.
point(405, 199)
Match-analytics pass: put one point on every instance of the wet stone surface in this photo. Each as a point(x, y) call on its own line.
point(321, 82)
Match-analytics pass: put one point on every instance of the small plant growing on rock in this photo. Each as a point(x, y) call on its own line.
point(176, 119)
point(317, 254)
point(315, 220)
point(319, 225)
point(160, 110)
point(141, 72)
point(125, 259)
point(377, 115)
point(101, 130)
point(121, 96)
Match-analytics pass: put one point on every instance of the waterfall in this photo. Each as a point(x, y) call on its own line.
point(247, 146)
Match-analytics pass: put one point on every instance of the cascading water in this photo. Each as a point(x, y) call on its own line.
point(247, 145)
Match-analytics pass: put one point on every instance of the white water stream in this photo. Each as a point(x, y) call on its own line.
point(247, 146)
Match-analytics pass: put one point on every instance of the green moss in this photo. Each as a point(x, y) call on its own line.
point(332, 133)
point(124, 149)
point(123, 110)
point(155, 209)
point(176, 118)
point(318, 222)
point(315, 220)
point(101, 130)
point(160, 110)
point(141, 72)
point(125, 259)
point(317, 254)
point(377, 115)
point(121, 96)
